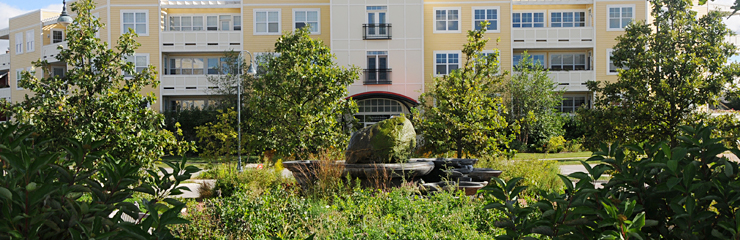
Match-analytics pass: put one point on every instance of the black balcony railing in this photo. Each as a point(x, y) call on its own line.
point(376, 31)
point(377, 76)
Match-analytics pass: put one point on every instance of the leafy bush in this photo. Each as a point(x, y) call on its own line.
point(251, 180)
point(685, 192)
point(539, 175)
point(555, 144)
point(189, 119)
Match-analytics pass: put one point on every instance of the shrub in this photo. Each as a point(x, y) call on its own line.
point(251, 180)
point(555, 144)
point(684, 192)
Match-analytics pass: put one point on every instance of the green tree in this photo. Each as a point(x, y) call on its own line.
point(533, 96)
point(671, 67)
point(459, 112)
point(94, 99)
point(297, 104)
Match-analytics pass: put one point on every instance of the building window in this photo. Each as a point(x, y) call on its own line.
point(136, 20)
point(528, 20)
point(613, 69)
point(187, 66)
point(485, 14)
point(377, 71)
point(571, 104)
point(57, 72)
point(574, 61)
point(140, 61)
point(370, 111)
point(29, 41)
point(212, 23)
point(445, 63)
point(537, 59)
point(18, 43)
point(568, 19)
point(237, 23)
point(303, 18)
point(225, 21)
point(18, 73)
point(266, 21)
point(57, 36)
point(620, 17)
point(497, 55)
point(447, 20)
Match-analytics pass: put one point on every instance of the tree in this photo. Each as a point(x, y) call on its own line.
point(671, 67)
point(533, 96)
point(459, 112)
point(94, 99)
point(297, 104)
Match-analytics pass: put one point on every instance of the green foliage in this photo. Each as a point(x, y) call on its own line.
point(362, 214)
point(93, 99)
point(80, 192)
point(298, 103)
point(539, 175)
point(555, 144)
point(727, 127)
point(251, 181)
point(672, 66)
point(681, 192)
point(533, 96)
point(219, 138)
point(458, 113)
point(188, 120)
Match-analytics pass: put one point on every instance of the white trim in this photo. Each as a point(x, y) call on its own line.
point(134, 11)
point(57, 30)
point(30, 41)
point(459, 19)
point(18, 73)
point(318, 12)
point(551, 11)
point(545, 22)
point(254, 21)
point(434, 61)
point(609, 28)
point(468, 2)
point(148, 61)
point(551, 54)
point(498, 17)
point(19, 43)
point(286, 4)
point(608, 61)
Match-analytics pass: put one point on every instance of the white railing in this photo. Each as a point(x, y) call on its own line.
point(5, 93)
point(5, 61)
point(553, 37)
point(165, 3)
point(50, 52)
point(735, 40)
point(572, 80)
point(548, 2)
point(184, 84)
point(201, 40)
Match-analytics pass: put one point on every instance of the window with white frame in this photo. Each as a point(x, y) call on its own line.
point(486, 14)
point(308, 17)
point(613, 69)
point(186, 66)
point(224, 22)
point(57, 36)
point(568, 61)
point(447, 20)
point(568, 19)
point(261, 61)
point(30, 40)
point(266, 21)
point(19, 43)
point(136, 20)
point(57, 71)
point(212, 23)
point(528, 20)
point(18, 73)
point(620, 16)
point(237, 23)
point(446, 62)
point(536, 59)
point(572, 103)
point(140, 61)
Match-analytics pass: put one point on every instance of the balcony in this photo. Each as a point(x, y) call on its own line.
point(183, 85)
point(550, 2)
point(576, 37)
point(5, 61)
point(572, 81)
point(49, 52)
point(5, 93)
point(378, 76)
point(176, 41)
point(377, 31)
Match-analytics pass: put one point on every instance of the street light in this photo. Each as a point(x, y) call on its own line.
point(64, 18)
point(250, 71)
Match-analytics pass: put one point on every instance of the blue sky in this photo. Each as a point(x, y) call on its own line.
point(11, 8)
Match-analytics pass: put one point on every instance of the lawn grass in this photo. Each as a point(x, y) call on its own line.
point(564, 155)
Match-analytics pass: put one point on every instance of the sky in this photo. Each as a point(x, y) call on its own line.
point(12, 8)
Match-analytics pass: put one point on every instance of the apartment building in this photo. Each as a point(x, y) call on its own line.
point(401, 45)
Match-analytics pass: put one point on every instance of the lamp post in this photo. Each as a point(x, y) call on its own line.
point(64, 18)
point(250, 71)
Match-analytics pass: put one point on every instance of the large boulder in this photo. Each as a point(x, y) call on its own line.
point(388, 141)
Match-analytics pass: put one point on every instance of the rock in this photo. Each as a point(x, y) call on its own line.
point(388, 141)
